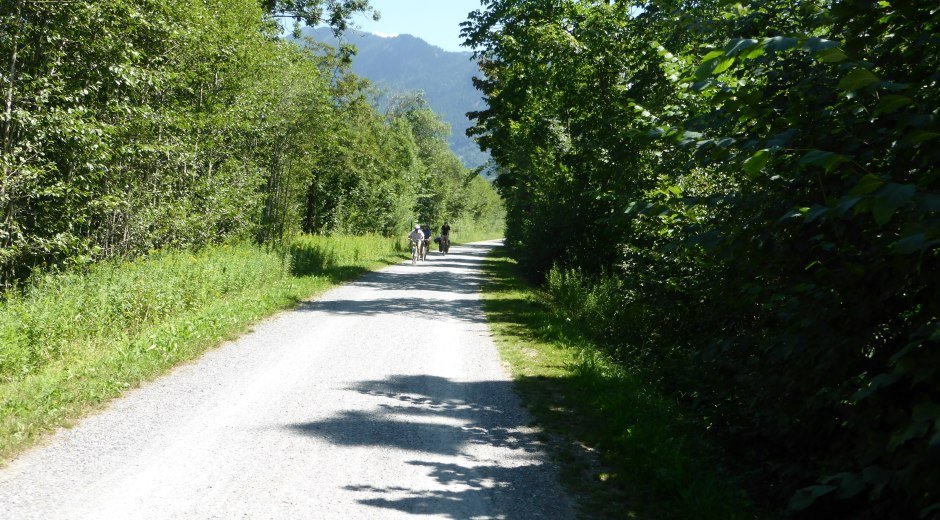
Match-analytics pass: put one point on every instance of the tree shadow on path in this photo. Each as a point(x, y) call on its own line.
point(498, 471)
point(438, 289)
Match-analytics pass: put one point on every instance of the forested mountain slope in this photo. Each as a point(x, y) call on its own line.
point(406, 63)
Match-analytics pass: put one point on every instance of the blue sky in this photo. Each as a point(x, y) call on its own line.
point(435, 21)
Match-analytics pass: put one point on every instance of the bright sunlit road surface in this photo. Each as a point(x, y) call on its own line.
point(383, 399)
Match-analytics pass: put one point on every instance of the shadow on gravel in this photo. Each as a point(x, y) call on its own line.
point(456, 274)
point(419, 308)
point(426, 280)
point(485, 492)
point(434, 415)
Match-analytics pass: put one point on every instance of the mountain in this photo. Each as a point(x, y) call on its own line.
point(406, 63)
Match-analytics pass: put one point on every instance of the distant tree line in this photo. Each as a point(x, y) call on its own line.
point(128, 126)
point(748, 196)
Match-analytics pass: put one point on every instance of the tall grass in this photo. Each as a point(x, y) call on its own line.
point(467, 230)
point(70, 341)
point(625, 448)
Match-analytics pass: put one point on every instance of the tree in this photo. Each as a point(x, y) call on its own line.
point(761, 176)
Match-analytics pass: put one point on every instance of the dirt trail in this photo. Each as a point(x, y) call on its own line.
point(383, 399)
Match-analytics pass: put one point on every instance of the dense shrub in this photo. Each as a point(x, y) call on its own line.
point(761, 180)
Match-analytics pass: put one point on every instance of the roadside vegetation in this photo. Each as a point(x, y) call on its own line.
point(626, 450)
point(129, 127)
point(173, 170)
point(742, 202)
point(71, 341)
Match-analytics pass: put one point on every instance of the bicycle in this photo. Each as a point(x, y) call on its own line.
point(415, 251)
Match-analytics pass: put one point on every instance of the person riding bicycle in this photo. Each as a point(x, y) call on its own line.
point(417, 236)
point(445, 237)
point(426, 229)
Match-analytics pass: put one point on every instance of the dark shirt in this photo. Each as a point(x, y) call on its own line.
point(445, 230)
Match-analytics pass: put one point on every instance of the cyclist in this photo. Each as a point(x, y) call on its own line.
point(426, 229)
point(417, 239)
point(445, 237)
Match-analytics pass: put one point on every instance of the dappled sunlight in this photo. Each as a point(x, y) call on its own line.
point(469, 447)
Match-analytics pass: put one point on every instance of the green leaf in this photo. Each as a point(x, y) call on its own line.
point(877, 383)
point(823, 159)
point(806, 496)
point(919, 136)
point(713, 66)
point(831, 55)
point(817, 45)
point(705, 69)
point(699, 86)
point(891, 197)
point(755, 163)
point(713, 54)
point(780, 43)
point(909, 244)
point(891, 103)
point(723, 65)
point(814, 213)
point(857, 79)
point(792, 214)
point(913, 431)
point(737, 46)
point(845, 204)
point(850, 484)
point(755, 53)
point(867, 184)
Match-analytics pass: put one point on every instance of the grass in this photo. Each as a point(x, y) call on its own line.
point(625, 451)
point(465, 232)
point(72, 341)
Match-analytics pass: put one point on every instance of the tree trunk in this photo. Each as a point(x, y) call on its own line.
point(11, 79)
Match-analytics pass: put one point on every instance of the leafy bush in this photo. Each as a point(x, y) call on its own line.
point(761, 179)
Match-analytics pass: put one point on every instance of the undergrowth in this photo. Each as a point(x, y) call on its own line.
point(624, 448)
point(70, 341)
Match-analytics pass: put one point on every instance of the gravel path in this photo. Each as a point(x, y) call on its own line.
point(383, 399)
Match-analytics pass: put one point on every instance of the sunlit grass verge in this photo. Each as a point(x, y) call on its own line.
point(471, 231)
point(625, 451)
point(71, 341)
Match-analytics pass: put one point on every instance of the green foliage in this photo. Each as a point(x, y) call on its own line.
point(134, 131)
point(75, 339)
point(129, 127)
point(406, 63)
point(624, 447)
point(482, 216)
point(756, 183)
point(336, 13)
